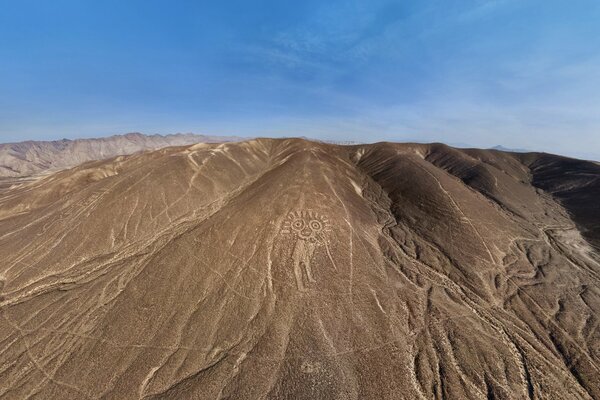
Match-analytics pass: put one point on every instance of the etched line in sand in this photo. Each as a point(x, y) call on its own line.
point(308, 228)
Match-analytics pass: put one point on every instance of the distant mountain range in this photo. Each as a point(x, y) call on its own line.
point(33, 157)
point(502, 148)
point(294, 269)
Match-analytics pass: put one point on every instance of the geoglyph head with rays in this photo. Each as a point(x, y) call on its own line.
point(306, 225)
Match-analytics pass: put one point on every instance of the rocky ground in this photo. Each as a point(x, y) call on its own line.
point(289, 269)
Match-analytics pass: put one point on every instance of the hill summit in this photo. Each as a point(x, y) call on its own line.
point(293, 269)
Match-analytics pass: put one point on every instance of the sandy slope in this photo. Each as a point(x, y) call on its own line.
point(293, 269)
point(35, 157)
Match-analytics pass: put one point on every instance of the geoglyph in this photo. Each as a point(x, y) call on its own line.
point(308, 229)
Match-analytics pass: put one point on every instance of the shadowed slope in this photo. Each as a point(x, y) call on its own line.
point(294, 269)
point(576, 184)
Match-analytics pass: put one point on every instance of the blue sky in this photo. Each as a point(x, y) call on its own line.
point(521, 73)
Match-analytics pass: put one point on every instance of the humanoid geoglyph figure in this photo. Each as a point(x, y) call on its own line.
point(308, 229)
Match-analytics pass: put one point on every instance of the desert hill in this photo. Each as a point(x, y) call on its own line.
point(34, 157)
point(290, 269)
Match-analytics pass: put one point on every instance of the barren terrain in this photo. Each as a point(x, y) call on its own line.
point(35, 157)
point(289, 269)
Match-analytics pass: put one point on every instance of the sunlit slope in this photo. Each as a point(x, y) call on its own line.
point(294, 269)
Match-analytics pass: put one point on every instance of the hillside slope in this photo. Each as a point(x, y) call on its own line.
point(34, 157)
point(293, 269)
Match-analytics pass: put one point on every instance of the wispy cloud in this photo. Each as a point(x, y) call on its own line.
point(483, 8)
point(485, 72)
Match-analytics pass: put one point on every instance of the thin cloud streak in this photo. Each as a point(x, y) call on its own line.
point(482, 72)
